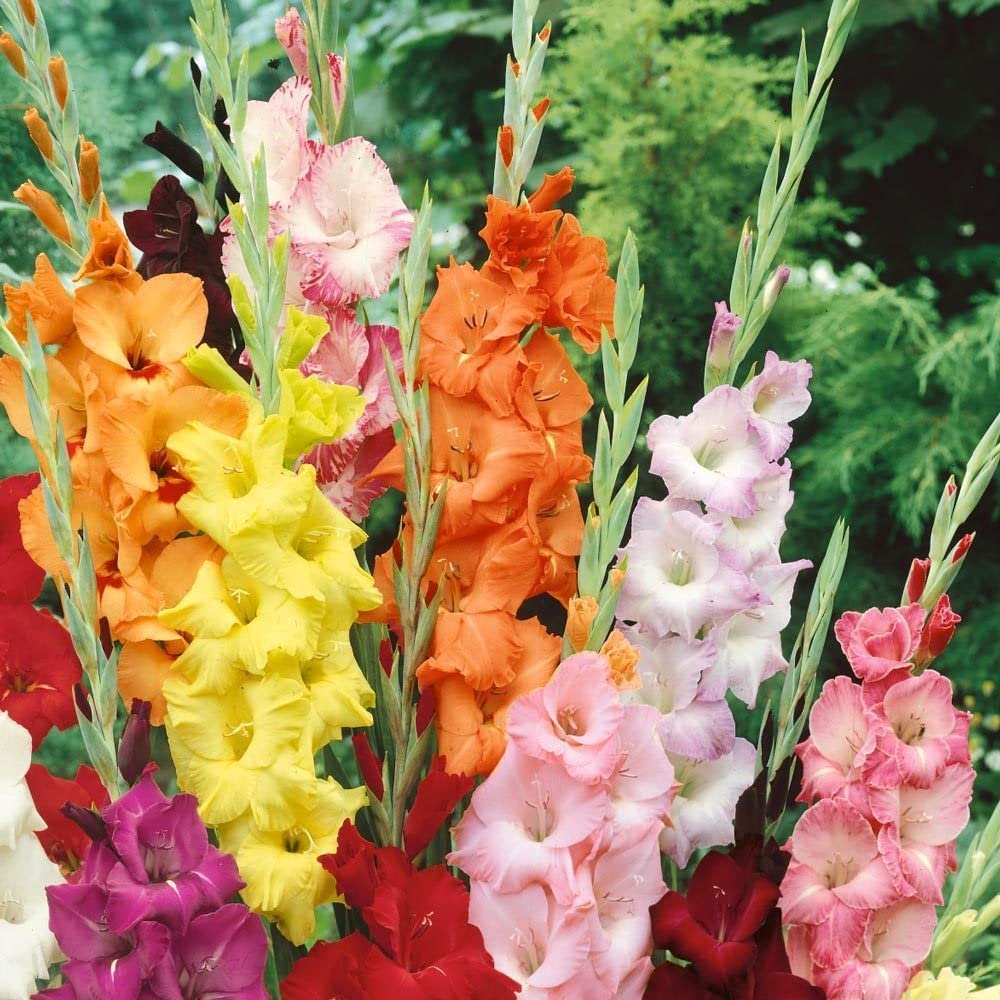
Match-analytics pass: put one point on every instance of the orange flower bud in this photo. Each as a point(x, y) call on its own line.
point(60, 82)
point(505, 140)
point(28, 9)
point(46, 210)
point(90, 170)
point(39, 132)
point(543, 35)
point(515, 67)
point(617, 577)
point(12, 52)
point(582, 612)
point(623, 657)
point(540, 108)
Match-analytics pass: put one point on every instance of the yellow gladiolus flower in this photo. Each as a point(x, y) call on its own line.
point(318, 412)
point(285, 881)
point(947, 986)
point(339, 694)
point(311, 557)
point(243, 750)
point(239, 624)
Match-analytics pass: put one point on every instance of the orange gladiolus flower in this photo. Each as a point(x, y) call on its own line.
point(519, 238)
point(580, 290)
point(471, 332)
point(143, 330)
point(551, 393)
point(110, 255)
point(554, 187)
point(45, 299)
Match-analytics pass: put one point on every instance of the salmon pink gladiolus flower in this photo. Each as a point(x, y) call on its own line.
point(878, 642)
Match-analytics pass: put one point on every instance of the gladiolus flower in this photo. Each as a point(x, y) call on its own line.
point(63, 839)
point(938, 630)
point(46, 301)
point(778, 394)
point(437, 796)
point(109, 255)
point(20, 579)
point(878, 642)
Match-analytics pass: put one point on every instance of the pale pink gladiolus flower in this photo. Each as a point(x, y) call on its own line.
point(749, 541)
point(777, 396)
point(835, 879)
point(712, 455)
point(572, 720)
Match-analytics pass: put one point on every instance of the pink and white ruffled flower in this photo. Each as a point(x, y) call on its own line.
point(677, 580)
point(703, 811)
point(348, 223)
point(712, 454)
point(572, 720)
point(918, 732)
point(749, 643)
point(835, 879)
point(895, 944)
point(919, 827)
point(834, 753)
point(778, 395)
point(748, 541)
point(878, 642)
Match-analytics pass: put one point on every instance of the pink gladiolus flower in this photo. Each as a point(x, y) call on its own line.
point(835, 879)
point(521, 822)
point(920, 824)
point(712, 454)
point(348, 223)
point(676, 580)
point(702, 813)
point(291, 34)
point(938, 631)
point(895, 943)
point(838, 735)
point(279, 126)
point(918, 730)
point(777, 396)
point(878, 642)
point(572, 720)
point(748, 541)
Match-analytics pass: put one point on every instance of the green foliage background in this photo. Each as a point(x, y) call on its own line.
point(667, 109)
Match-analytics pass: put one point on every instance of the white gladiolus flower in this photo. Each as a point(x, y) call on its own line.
point(17, 812)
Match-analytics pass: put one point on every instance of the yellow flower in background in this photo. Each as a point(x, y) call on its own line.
point(285, 881)
point(339, 694)
point(947, 986)
point(239, 624)
point(244, 750)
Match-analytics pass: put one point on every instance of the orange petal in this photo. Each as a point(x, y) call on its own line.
point(142, 669)
point(168, 314)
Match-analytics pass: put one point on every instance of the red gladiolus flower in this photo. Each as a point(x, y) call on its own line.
point(435, 801)
point(20, 579)
point(422, 945)
point(713, 927)
point(38, 668)
point(63, 840)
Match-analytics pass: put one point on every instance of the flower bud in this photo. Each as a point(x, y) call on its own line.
point(186, 158)
point(242, 305)
point(385, 657)
point(951, 938)
point(540, 109)
point(369, 765)
point(13, 54)
point(773, 288)
point(426, 707)
point(60, 82)
point(338, 81)
point(937, 632)
point(90, 170)
point(46, 209)
point(722, 336)
point(87, 820)
point(39, 132)
point(617, 578)
point(28, 9)
point(964, 544)
point(917, 579)
point(623, 657)
point(582, 612)
point(291, 35)
point(505, 142)
point(135, 750)
point(82, 702)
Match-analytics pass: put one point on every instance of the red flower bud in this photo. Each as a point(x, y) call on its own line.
point(426, 707)
point(917, 579)
point(938, 630)
point(80, 697)
point(505, 140)
point(385, 657)
point(135, 750)
point(540, 109)
point(369, 765)
point(965, 542)
point(437, 796)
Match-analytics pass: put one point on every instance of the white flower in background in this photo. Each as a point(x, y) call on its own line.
point(27, 946)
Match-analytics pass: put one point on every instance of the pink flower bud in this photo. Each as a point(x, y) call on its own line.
point(773, 288)
point(964, 544)
point(938, 631)
point(917, 579)
point(720, 340)
point(291, 33)
point(369, 765)
point(338, 81)
point(134, 750)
